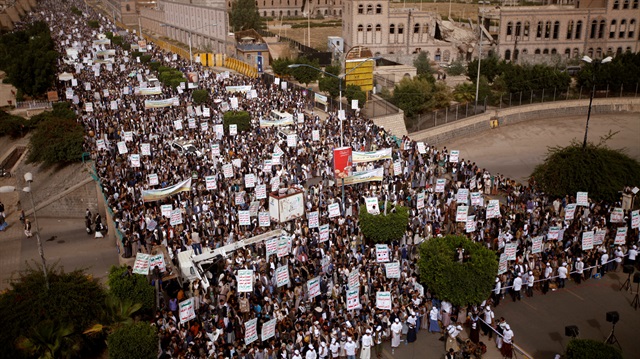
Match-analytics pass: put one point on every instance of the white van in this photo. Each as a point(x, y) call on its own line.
point(281, 116)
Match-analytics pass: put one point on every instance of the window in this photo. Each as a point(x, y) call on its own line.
point(635, 4)
point(576, 52)
point(526, 28)
point(128, 7)
point(360, 28)
point(554, 51)
point(547, 29)
point(539, 30)
point(594, 25)
point(623, 28)
point(392, 29)
point(425, 28)
point(609, 51)
point(509, 28)
point(567, 52)
point(400, 29)
point(378, 9)
point(578, 29)
point(612, 29)
point(545, 52)
point(369, 9)
point(616, 4)
point(632, 28)
point(537, 52)
point(570, 30)
point(369, 28)
point(619, 51)
point(590, 52)
point(416, 28)
point(515, 54)
point(360, 9)
point(378, 28)
point(507, 55)
point(599, 53)
point(556, 29)
point(601, 29)
point(626, 4)
point(518, 28)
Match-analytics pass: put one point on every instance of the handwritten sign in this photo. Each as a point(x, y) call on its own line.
point(383, 300)
point(244, 218)
point(617, 215)
point(462, 196)
point(477, 199)
point(353, 300)
point(313, 287)
point(510, 249)
point(157, 261)
point(493, 209)
point(263, 219)
point(502, 264)
point(470, 224)
point(282, 276)
point(187, 310)
point(271, 246)
point(553, 233)
point(153, 179)
point(621, 236)
point(227, 170)
point(334, 210)
point(166, 209)
point(313, 218)
point(440, 182)
point(454, 156)
point(283, 247)
point(599, 236)
point(141, 265)
point(245, 280)
point(354, 279)
point(249, 180)
point(392, 269)
point(587, 240)
point(210, 182)
point(261, 191)
point(176, 217)
point(145, 149)
point(569, 211)
point(324, 233)
point(250, 331)
point(582, 199)
point(382, 253)
point(462, 213)
point(536, 246)
point(269, 329)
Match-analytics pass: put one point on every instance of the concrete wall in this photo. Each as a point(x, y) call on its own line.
point(505, 117)
point(65, 205)
point(393, 123)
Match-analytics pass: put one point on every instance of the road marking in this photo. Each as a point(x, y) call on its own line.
point(532, 307)
point(570, 291)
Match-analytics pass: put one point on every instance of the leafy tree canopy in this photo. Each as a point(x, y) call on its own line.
point(240, 118)
point(353, 92)
point(134, 288)
point(469, 282)
point(413, 96)
point(200, 96)
point(597, 169)
point(306, 74)
point(423, 67)
point(139, 340)
point(381, 228)
point(331, 84)
point(281, 66)
point(624, 71)
point(589, 348)
point(244, 16)
point(57, 139)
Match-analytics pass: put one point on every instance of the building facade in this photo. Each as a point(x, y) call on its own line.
point(124, 11)
point(396, 31)
point(297, 8)
point(595, 28)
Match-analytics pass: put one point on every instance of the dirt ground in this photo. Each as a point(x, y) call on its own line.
point(319, 35)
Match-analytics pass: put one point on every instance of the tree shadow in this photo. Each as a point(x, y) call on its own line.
point(556, 337)
point(593, 323)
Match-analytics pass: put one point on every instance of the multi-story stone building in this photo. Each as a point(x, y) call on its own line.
point(293, 8)
point(596, 28)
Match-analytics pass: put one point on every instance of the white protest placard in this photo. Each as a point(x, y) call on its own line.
point(502, 264)
point(267, 165)
point(353, 281)
point(635, 219)
point(392, 269)
point(582, 199)
point(354, 104)
point(477, 199)
point(324, 263)
point(334, 210)
point(462, 213)
point(313, 287)
point(536, 246)
point(372, 205)
point(462, 197)
point(420, 200)
point(234, 102)
point(244, 218)
point(422, 149)
point(219, 130)
point(292, 140)
point(283, 247)
point(617, 215)
point(191, 123)
point(88, 106)
point(153, 179)
point(324, 233)
point(227, 170)
point(621, 236)
point(100, 144)
point(314, 219)
point(135, 160)
point(210, 182)
point(271, 245)
point(245, 280)
point(239, 198)
point(176, 217)
point(261, 191)
point(553, 233)
point(383, 300)
point(397, 168)
point(250, 331)
point(269, 329)
point(493, 209)
point(122, 148)
point(587, 240)
point(472, 183)
point(187, 310)
point(204, 126)
point(599, 236)
point(470, 225)
point(315, 135)
point(282, 275)
point(569, 211)
point(141, 265)
point(353, 300)
point(165, 210)
point(206, 112)
point(283, 85)
point(440, 182)
point(454, 156)
point(145, 149)
point(249, 180)
point(276, 81)
point(382, 253)
point(128, 136)
point(276, 158)
point(215, 149)
point(157, 261)
point(177, 124)
point(113, 105)
point(233, 130)
point(510, 249)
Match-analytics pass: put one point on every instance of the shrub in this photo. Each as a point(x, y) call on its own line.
point(136, 54)
point(109, 35)
point(240, 118)
point(381, 228)
point(170, 77)
point(154, 65)
point(117, 40)
point(139, 340)
point(145, 59)
point(94, 24)
point(588, 349)
point(72, 300)
point(135, 287)
point(200, 96)
point(461, 284)
point(76, 11)
point(56, 140)
point(12, 126)
point(456, 68)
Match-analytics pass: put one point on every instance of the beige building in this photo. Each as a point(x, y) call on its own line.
point(296, 8)
point(124, 11)
point(399, 31)
point(596, 28)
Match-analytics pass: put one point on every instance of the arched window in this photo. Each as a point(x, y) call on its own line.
point(594, 27)
point(288, 12)
point(625, 5)
point(539, 30)
point(360, 9)
point(632, 28)
point(515, 54)
point(369, 9)
point(567, 52)
point(619, 51)
point(518, 28)
point(612, 29)
point(378, 9)
point(576, 52)
point(616, 4)
point(578, 29)
point(360, 28)
point(556, 29)
point(425, 28)
point(128, 7)
point(590, 52)
point(570, 30)
point(601, 29)
point(378, 33)
point(554, 51)
point(507, 55)
point(400, 29)
point(545, 52)
point(537, 52)
point(609, 51)
point(509, 28)
point(599, 53)
point(392, 29)
point(623, 28)
point(526, 28)
point(635, 4)
point(416, 28)
point(547, 29)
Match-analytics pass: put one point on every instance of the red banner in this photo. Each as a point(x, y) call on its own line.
point(342, 162)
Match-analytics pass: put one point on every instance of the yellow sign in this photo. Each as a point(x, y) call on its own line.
point(360, 73)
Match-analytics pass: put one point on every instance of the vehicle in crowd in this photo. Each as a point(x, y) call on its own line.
point(185, 147)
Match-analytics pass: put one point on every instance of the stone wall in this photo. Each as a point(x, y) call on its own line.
point(505, 117)
point(393, 123)
point(71, 203)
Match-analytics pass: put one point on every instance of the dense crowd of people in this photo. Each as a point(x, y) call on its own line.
point(319, 326)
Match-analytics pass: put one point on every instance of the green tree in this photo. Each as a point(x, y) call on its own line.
point(423, 67)
point(456, 68)
point(134, 288)
point(331, 84)
point(57, 140)
point(491, 67)
point(118, 312)
point(200, 96)
point(139, 340)
point(353, 92)
point(72, 302)
point(281, 67)
point(240, 118)
point(306, 74)
point(461, 284)
point(464, 92)
point(442, 95)
point(413, 96)
point(597, 169)
point(589, 349)
point(384, 229)
point(244, 16)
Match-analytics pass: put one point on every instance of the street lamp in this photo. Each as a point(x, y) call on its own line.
point(190, 34)
point(28, 177)
point(340, 112)
point(596, 64)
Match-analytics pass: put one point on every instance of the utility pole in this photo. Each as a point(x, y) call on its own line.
point(479, 59)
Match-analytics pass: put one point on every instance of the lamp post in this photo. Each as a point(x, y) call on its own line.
point(340, 112)
point(596, 64)
point(28, 177)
